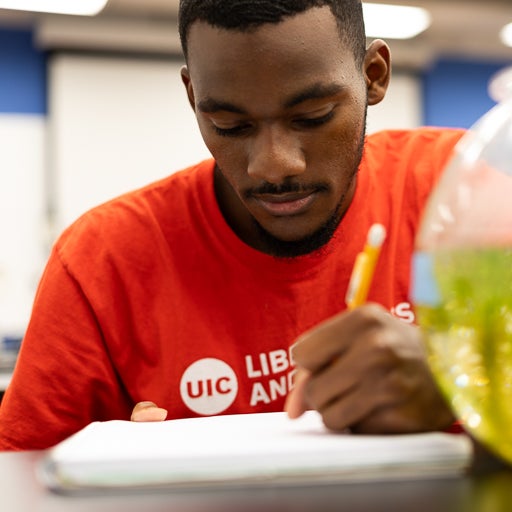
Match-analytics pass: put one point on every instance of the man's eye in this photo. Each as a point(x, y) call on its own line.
point(231, 132)
point(311, 122)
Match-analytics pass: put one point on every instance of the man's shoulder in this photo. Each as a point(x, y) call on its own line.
point(423, 151)
point(137, 214)
point(422, 136)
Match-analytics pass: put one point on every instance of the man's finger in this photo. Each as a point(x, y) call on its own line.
point(333, 337)
point(148, 411)
point(295, 404)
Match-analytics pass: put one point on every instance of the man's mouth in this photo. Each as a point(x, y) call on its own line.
point(285, 204)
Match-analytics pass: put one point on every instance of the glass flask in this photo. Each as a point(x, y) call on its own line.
point(462, 276)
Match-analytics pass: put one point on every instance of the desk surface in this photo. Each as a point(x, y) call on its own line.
point(20, 491)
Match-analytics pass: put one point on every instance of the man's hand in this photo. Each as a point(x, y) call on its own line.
point(148, 411)
point(367, 371)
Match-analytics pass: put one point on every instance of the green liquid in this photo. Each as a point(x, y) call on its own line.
point(469, 340)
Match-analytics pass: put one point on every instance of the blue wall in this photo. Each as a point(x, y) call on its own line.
point(22, 74)
point(455, 91)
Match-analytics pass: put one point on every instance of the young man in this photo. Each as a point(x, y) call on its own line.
point(191, 292)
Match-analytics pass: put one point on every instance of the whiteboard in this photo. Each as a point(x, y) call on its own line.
point(115, 123)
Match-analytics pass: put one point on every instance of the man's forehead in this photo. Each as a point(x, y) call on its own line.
point(314, 26)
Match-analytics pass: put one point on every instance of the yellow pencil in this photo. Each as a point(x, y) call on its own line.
point(364, 267)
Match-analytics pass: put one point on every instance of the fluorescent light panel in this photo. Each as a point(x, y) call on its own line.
point(395, 21)
point(78, 7)
point(382, 20)
point(506, 35)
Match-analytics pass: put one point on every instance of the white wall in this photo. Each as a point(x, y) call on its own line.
point(22, 217)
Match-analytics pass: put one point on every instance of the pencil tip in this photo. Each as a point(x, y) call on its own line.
point(376, 235)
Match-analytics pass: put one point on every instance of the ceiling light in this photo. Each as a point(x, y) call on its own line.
point(79, 7)
point(500, 84)
point(395, 21)
point(506, 35)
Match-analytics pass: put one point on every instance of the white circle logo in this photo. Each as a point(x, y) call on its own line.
point(208, 386)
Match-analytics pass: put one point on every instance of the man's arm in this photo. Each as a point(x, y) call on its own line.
point(64, 377)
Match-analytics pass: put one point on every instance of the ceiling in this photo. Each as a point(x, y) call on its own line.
point(465, 28)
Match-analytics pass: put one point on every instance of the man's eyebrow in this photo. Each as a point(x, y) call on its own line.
point(210, 106)
point(316, 91)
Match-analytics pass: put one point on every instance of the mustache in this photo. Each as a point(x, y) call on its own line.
point(284, 188)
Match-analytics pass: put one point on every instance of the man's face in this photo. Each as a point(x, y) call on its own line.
point(282, 110)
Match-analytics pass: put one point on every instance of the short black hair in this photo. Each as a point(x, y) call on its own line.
point(243, 15)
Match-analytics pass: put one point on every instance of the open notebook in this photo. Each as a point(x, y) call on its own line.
point(261, 449)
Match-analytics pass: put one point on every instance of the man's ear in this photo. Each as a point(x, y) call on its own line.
point(185, 78)
point(377, 71)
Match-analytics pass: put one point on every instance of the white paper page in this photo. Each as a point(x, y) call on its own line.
point(244, 448)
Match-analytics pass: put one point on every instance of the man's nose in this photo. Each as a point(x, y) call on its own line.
point(275, 154)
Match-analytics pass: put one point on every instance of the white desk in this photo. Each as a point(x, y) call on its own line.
point(20, 491)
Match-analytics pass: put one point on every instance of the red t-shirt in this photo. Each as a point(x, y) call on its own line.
point(152, 296)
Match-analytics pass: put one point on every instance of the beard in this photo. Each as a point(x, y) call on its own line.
point(319, 238)
point(294, 248)
point(311, 243)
